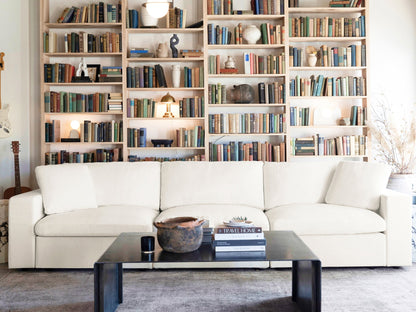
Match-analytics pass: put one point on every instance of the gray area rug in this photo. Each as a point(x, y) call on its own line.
point(349, 290)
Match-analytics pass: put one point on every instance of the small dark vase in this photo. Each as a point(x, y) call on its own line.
point(180, 235)
point(242, 94)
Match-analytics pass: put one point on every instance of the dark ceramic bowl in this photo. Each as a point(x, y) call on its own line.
point(180, 235)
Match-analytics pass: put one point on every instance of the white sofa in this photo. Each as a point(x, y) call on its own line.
point(341, 210)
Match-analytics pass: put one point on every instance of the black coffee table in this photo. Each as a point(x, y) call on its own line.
point(281, 246)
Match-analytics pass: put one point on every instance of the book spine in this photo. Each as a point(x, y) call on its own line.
point(218, 236)
point(238, 230)
point(239, 248)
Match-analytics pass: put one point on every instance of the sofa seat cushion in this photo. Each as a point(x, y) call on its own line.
point(217, 214)
point(102, 221)
point(324, 219)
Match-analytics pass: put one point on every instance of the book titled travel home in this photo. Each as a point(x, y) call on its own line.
point(236, 230)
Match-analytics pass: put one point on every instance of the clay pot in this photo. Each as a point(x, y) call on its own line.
point(242, 94)
point(180, 235)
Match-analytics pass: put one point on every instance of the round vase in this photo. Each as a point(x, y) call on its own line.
point(401, 183)
point(146, 19)
point(251, 34)
point(176, 76)
point(230, 63)
point(312, 60)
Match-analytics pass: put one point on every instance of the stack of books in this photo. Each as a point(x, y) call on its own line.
point(115, 102)
point(111, 74)
point(239, 242)
point(207, 236)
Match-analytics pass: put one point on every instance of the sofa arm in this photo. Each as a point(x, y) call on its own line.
point(25, 210)
point(396, 209)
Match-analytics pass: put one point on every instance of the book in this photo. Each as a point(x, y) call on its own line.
point(235, 230)
point(240, 248)
point(240, 255)
point(242, 242)
point(239, 236)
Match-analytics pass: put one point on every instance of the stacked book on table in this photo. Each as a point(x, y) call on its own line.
point(239, 242)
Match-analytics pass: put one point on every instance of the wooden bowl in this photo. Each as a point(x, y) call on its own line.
point(180, 235)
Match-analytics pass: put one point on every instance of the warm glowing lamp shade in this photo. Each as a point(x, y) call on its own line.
point(168, 100)
point(157, 8)
point(74, 134)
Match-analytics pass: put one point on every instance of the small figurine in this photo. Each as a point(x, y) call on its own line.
point(174, 41)
point(162, 50)
point(230, 63)
point(82, 68)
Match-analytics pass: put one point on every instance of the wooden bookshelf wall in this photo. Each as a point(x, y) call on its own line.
point(197, 38)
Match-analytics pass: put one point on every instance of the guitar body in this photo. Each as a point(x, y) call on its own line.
point(11, 191)
point(17, 189)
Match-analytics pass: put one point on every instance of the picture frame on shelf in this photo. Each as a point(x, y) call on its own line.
point(93, 71)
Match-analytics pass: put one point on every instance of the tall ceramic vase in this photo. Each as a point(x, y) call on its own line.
point(251, 34)
point(176, 76)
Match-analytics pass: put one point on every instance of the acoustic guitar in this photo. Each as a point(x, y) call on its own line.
point(17, 189)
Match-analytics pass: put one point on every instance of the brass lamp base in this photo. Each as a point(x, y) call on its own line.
point(168, 115)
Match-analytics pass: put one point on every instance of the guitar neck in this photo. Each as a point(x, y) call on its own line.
point(17, 174)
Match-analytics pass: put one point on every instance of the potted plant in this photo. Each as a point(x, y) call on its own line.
point(393, 133)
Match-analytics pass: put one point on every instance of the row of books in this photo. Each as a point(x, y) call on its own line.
point(111, 74)
point(99, 155)
point(176, 18)
point(271, 93)
point(345, 3)
point(193, 77)
point(136, 137)
point(259, 64)
point(141, 108)
point(246, 123)
point(109, 131)
point(146, 77)
point(83, 42)
point(58, 72)
point(217, 93)
point(198, 157)
point(351, 56)
point(358, 116)
point(272, 34)
point(251, 151)
point(306, 26)
point(239, 242)
point(53, 131)
point(300, 116)
point(92, 13)
point(190, 137)
point(192, 107)
point(225, 7)
point(348, 145)
point(69, 102)
point(328, 86)
point(132, 19)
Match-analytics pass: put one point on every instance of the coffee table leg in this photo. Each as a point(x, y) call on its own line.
point(306, 285)
point(108, 286)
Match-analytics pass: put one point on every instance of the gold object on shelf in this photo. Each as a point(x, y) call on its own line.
point(168, 100)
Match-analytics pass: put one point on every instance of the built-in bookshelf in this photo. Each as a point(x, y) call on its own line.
point(235, 99)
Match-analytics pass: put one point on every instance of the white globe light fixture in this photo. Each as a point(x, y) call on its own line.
point(157, 8)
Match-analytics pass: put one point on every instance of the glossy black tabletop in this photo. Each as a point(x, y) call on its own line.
point(280, 246)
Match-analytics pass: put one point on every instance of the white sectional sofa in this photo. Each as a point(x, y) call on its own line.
point(341, 210)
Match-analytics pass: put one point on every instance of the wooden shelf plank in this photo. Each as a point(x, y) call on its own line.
point(327, 97)
point(163, 30)
point(160, 60)
point(87, 84)
point(167, 119)
point(327, 156)
point(165, 89)
point(246, 75)
point(327, 68)
point(166, 148)
point(83, 25)
point(328, 126)
point(100, 54)
point(247, 134)
point(84, 143)
point(246, 105)
point(325, 39)
point(244, 17)
point(325, 10)
point(245, 46)
point(85, 113)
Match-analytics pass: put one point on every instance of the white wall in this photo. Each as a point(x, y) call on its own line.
point(392, 47)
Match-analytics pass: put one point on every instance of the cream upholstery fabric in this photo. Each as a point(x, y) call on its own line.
point(193, 183)
point(291, 183)
point(103, 221)
point(127, 183)
point(217, 214)
point(324, 219)
point(358, 184)
point(396, 209)
point(66, 188)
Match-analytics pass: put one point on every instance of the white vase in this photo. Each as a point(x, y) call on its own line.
point(401, 183)
point(251, 34)
point(176, 76)
point(312, 60)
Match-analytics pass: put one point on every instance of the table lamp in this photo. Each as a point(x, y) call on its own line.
point(168, 100)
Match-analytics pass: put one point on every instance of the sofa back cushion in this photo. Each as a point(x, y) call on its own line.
point(194, 183)
point(296, 182)
point(127, 183)
point(66, 188)
point(358, 184)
